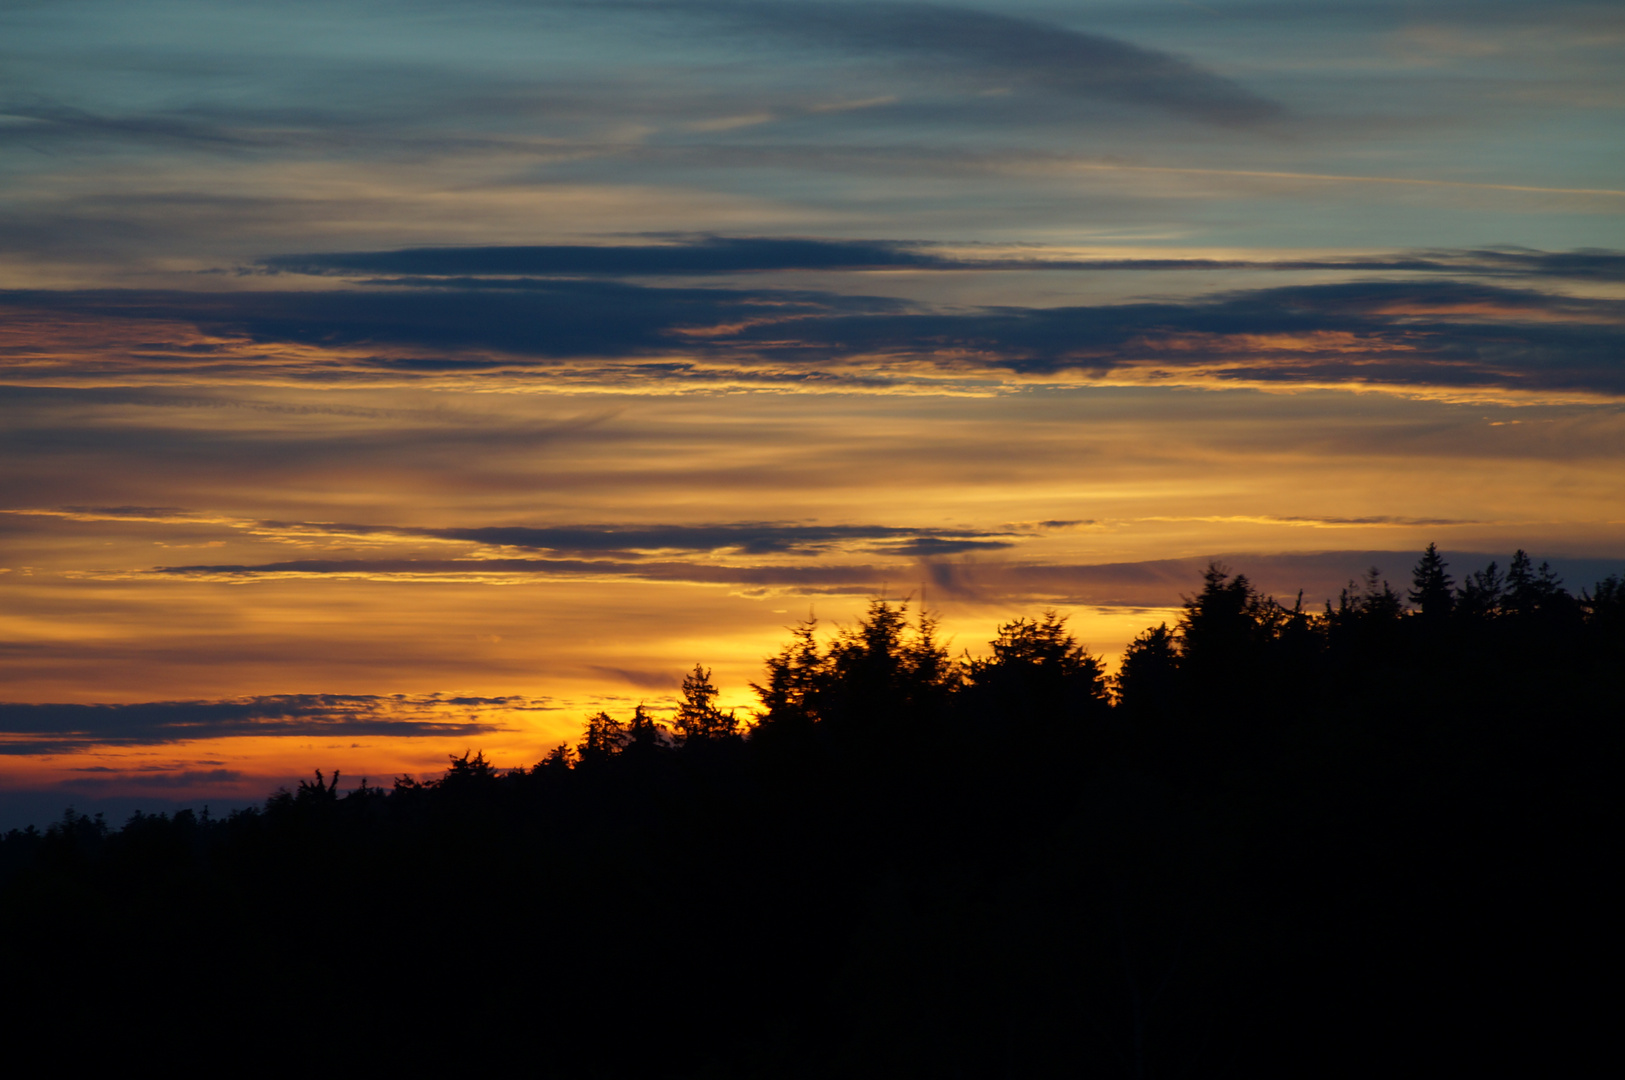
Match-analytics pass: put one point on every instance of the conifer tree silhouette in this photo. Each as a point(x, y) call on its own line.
point(1432, 590)
point(1220, 634)
point(1148, 674)
point(1038, 678)
point(698, 719)
point(601, 740)
point(790, 692)
point(643, 734)
point(1604, 606)
point(879, 672)
point(558, 760)
point(1481, 593)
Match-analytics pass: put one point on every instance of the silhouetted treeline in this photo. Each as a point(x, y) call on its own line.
point(1280, 841)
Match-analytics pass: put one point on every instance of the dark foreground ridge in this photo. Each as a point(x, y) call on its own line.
point(1281, 842)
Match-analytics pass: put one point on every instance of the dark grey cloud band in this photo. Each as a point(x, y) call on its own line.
point(66, 728)
point(1438, 332)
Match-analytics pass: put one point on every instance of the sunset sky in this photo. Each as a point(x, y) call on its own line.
point(381, 380)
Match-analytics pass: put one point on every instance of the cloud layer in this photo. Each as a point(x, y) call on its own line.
point(1153, 583)
point(1437, 332)
point(704, 255)
point(63, 729)
point(749, 538)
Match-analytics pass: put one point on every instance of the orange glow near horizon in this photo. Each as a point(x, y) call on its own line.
point(365, 399)
point(260, 570)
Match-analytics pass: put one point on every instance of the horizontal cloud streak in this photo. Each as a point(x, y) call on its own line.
point(753, 538)
point(749, 537)
point(1441, 333)
point(1145, 583)
point(67, 728)
point(703, 255)
point(1437, 333)
point(843, 577)
point(537, 318)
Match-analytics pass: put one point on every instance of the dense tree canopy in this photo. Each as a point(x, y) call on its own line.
point(1375, 827)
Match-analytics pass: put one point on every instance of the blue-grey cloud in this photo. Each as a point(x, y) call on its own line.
point(855, 577)
point(68, 728)
point(702, 255)
point(39, 126)
point(1592, 264)
point(960, 575)
point(539, 318)
point(751, 537)
point(1599, 264)
point(1431, 332)
point(184, 778)
point(936, 547)
point(1382, 14)
point(688, 255)
point(959, 42)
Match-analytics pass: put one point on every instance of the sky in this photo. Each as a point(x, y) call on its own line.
point(380, 381)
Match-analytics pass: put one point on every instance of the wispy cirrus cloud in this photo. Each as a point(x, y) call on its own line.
point(966, 43)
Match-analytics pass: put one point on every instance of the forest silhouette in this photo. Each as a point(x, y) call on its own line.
point(1279, 841)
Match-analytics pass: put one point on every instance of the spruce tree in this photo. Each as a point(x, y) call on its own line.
point(698, 718)
point(1431, 587)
